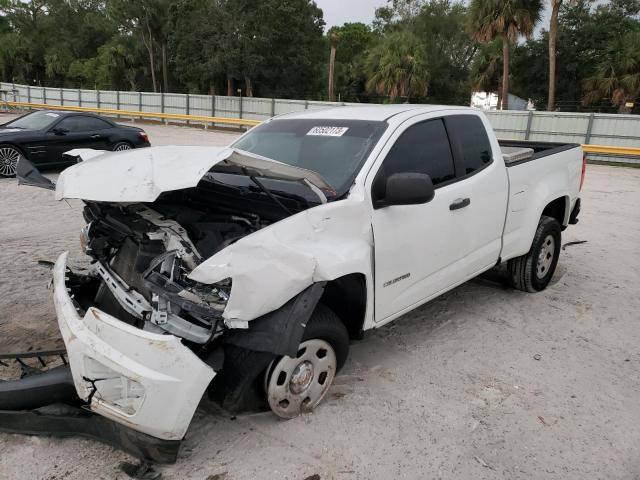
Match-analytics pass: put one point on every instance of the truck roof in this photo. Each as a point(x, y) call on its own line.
point(367, 112)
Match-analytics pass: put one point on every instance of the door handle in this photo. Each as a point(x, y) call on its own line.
point(96, 136)
point(459, 203)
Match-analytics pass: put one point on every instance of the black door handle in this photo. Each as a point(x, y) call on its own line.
point(96, 136)
point(460, 203)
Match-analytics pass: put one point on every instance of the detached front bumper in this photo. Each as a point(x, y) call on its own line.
point(148, 382)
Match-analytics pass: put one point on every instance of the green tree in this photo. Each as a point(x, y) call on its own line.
point(355, 40)
point(507, 20)
point(149, 20)
point(485, 75)
point(398, 68)
point(617, 75)
point(440, 26)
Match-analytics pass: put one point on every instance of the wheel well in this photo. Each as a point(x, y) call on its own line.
point(9, 144)
point(347, 297)
point(556, 209)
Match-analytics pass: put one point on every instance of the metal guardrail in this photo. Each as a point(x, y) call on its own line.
point(138, 114)
point(593, 149)
point(608, 150)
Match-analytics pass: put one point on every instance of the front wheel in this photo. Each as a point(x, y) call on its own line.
point(9, 158)
point(532, 272)
point(297, 385)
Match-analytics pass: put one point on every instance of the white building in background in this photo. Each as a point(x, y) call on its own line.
point(489, 101)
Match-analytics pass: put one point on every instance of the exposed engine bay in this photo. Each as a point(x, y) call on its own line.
point(143, 253)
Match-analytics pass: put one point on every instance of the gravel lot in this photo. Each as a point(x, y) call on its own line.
point(451, 390)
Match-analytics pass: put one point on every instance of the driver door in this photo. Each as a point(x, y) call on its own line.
point(73, 132)
point(418, 247)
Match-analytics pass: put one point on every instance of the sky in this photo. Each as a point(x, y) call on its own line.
point(337, 12)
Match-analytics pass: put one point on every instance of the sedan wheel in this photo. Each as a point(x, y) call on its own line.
point(121, 147)
point(297, 385)
point(9, 157)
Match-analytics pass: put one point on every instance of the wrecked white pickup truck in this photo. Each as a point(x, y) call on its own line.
point(244, 271)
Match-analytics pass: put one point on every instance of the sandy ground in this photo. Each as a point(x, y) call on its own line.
point(483, 382)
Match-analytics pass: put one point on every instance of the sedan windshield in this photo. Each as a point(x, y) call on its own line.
point(336, 149)
point(34, 121)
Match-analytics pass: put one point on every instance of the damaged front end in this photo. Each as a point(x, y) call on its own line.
point(144, 340)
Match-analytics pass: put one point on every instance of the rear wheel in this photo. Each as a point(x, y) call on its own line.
point(9, 158)
point(533, 272)
point(122, 146)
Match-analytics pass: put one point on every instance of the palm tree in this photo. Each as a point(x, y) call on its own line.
point(617, 76)
point(485, 69)
point(334, 38)
point(505, 19)
point(553, 34)
point(397, 67)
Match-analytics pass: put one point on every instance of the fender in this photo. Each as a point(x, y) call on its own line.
point(271, 266)
point(279, 332)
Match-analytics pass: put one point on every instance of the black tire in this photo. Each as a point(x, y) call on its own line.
point(239, 386)
point(122, 146)
point(528, 272)
point(325, 325)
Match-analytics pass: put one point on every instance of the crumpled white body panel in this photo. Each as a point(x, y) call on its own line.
point(141, 175)
point(170, 377)
point(272, 265)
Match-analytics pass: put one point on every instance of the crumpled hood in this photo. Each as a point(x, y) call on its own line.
point(141, 175)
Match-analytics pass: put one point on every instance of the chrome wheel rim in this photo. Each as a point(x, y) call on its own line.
point(545, 257)
point(9, 158)
point(297, 385)
point(122, 147)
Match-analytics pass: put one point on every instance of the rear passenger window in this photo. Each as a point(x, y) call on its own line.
point(422, 148)
point(470, 142)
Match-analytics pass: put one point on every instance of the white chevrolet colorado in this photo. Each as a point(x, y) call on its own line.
point(244, 271)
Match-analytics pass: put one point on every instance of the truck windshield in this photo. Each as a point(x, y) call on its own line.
point(336, 149)
point(34, 121)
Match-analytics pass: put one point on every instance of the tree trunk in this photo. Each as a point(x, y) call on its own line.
point(553, 34)
point(505, 74)
point(149, 46)
point(332, 63)
point(165, 72)
point(230, 92)
point(248, 87)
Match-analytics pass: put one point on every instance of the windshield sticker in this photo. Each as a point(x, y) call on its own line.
point(328, 131)
point(54, 115)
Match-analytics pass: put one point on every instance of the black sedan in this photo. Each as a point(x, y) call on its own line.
point(43, 136)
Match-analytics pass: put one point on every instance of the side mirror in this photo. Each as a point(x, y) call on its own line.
point(60, 131)
point(407, 189)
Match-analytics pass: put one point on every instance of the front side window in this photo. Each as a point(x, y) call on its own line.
point(92, 123)
point(75, 124)
point(471, 143)
point(422, 148)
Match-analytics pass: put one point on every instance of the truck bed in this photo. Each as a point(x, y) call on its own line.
point(516, 152)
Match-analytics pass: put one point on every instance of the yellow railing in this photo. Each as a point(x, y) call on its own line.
point(243, 122)
point(623, 151)
point(240, 122)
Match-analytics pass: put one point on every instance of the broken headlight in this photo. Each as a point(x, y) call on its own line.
point(181, 306)
point(85, 239)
